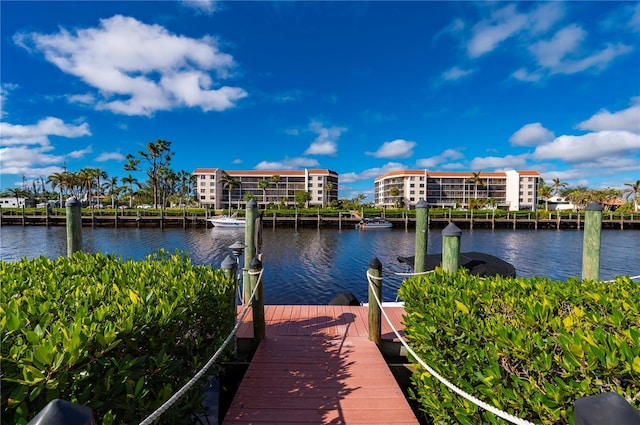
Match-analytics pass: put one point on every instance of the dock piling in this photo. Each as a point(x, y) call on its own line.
point(591, 242)
point(422, 235)
point(250, 247)
point(74, 226)
point(257, 306)
point(451, 248)
point(375, 316)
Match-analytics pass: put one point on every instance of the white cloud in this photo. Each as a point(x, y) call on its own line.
point(550, 53)
point(590, 146)
point(326, 142)
point(110, 156)
point(29, 161)
point(17, 134)
point(287, 164)
point(531, 135)
point(80, 153)
point(440, 160)
point(371, 173)
point(456, 73)
point(626, 120)
point(26, 149)
point(508, 162)
point(560, 54)
point(138, 69)
point(398, 148)
point(207, 7)
point(523, 75)
point(488, 33)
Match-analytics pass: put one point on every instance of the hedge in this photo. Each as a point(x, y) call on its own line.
point(529, 346)
point(117, 336)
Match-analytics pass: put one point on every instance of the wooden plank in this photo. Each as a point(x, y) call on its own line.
point(316, 366)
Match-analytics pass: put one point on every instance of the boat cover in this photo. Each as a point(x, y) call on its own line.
point(478, 263)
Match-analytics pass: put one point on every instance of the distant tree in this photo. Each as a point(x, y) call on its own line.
point(158, 157)
point(477, 180)
point(111, 187)
point(263, 184)
point(545, 193)
point(327, 188)
point(302, 198)
point(17, 193)
point(394, 192)
point(557, 186)
point(276, 179)
point(57, 180)
point(230, 183)
point(633, 192)
point(186, 181)
point(248, 195)
point(130, 180)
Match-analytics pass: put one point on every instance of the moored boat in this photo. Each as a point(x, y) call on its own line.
point(374, 223)
point(227, 221)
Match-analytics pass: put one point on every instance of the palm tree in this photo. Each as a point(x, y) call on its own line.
point(264, 184)
point(230, 183)
point(111, 186)
point(557, 184)
point(394, 192)
point(328, 188)
point(130, 180)
point(17, 193)
point(57, 180)
point(634, 190)
point(276, 179)
point(477, 181)
point(545, 192)
point(186, 180)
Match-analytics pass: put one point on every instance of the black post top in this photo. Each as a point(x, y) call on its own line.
point(375, 264)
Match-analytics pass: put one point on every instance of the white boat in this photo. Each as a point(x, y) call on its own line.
point(227, 221)
point(374, 223)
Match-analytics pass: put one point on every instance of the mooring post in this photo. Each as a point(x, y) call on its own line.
point(257, 306)
point(230, 268)
point(451, 248)
point(375, 287)
point(74, 226)
point(422, 236)
point(591, 242)
point(250, 246)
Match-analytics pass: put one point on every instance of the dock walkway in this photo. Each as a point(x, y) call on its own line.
point(317, 366)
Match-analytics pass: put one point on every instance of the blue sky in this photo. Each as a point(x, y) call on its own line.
point(361, 88)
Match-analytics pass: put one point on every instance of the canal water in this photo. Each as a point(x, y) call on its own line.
point(310, 266)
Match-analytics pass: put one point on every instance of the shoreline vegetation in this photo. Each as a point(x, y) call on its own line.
point(314, 217)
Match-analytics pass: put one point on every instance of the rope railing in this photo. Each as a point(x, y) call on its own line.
point(632, 278)
point(167, 404)
point(504, 415)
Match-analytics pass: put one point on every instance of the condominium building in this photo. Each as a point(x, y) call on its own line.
point(512, 190)
point(212, 191)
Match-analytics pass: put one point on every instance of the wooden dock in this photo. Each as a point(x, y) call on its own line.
point(317, 366)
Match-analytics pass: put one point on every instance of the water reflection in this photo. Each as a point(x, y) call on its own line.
point(310, 266)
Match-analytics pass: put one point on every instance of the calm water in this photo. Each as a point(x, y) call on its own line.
point(310, 266)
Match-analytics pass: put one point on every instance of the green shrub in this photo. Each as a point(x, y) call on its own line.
point(530, 347)
point(117, 336)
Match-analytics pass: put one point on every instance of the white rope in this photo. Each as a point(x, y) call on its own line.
point(413, 274)
point(167, 404)
point(504, 415)
point(632, 278)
